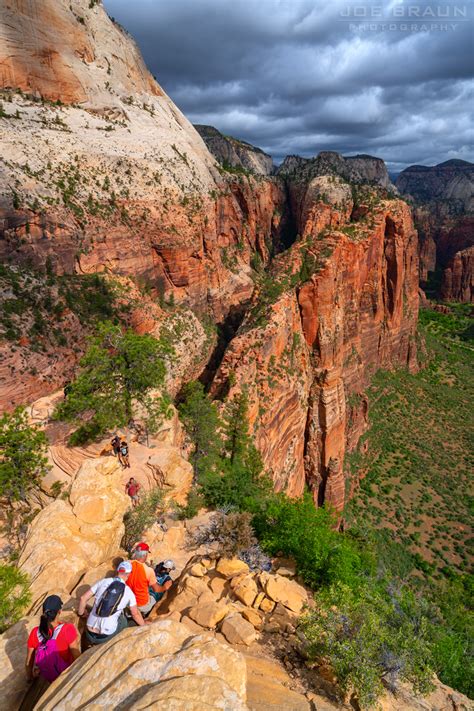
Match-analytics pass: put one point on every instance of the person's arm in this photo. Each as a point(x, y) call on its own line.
point(29, 663)
point(83, 601)
point(161, 588)
point(75, 647)
point(137, 616)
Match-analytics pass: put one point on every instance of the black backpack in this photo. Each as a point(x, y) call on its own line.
point(110, 600)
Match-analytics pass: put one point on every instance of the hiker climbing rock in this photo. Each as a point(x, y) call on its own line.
point(112, 597)
point(53, 645)
point(163, 578)
point(124, 455)
point(143, 580)
point(132, 488)
point(116, 446)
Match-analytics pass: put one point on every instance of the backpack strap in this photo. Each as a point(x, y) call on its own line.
point(57, 630)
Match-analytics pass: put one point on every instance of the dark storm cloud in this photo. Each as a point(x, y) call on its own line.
point(298, 76)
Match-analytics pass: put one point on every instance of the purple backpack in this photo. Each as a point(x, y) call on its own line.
point(47, 658)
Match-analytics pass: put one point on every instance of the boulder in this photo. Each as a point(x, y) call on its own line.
point(217, 585)
point(246, 591)
point(253, 616)
point(68, 538)
point(198, 570)
point(156, 666)
point(208, 614)
point(266, 605)
point(285, 591)
point(229, 567)
point(237, 630)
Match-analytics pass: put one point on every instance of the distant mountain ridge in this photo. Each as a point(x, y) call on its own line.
point(234, 152)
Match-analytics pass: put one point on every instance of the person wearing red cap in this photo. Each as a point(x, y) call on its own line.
point(143, 578)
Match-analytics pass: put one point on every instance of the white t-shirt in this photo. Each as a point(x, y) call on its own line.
point(108, 625)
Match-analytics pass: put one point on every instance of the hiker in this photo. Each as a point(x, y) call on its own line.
point(53, 645)
point(132, 488)
point(143, 579)
point(116, 446)
point(163, 578)
point(112, 596)
point(123, 455)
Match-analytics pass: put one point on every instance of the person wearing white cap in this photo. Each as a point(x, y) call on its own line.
point(112, 597)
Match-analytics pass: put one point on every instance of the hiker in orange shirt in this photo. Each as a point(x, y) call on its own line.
point(143, 577)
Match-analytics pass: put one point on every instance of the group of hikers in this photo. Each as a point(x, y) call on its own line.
point(120, 450)
point(125, 599)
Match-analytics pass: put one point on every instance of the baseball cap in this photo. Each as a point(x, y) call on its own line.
point(169, 564)
point(124, 567)
point(142, 547)
point(53, 603)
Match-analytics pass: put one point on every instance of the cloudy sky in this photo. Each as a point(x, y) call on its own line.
point(392, 78)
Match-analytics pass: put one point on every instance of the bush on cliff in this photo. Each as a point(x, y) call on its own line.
point(138, 519)
point(300, 530)
point(227, 466)
point(118, 371)
point(23, 460)
point(14, 595)
point(371, 636)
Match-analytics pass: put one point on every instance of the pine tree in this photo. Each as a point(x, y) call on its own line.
point(203, 425)
point(118, 370)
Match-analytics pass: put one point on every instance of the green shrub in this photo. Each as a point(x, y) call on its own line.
point(14, 595)
point(298, 529)
point(368, 635)
point(138, 519)
point(23, 460)
point(194, 502)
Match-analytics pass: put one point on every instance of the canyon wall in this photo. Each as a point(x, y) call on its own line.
point(118, 180)
point(345, 305)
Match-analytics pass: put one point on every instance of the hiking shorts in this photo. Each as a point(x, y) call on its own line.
point(94, 638)
point(148, 606)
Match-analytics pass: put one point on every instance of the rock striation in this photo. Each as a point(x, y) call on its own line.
point(443, 197)
point(340, 303)
point(234, 153)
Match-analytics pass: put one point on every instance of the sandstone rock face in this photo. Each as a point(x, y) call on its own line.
point(348, 305)
point(443, 196)
point(69, 537)
point(160, 666)
point(230, 151)
point(354, 169)
point(120, 181)
point(172, 473)
point(48, 49)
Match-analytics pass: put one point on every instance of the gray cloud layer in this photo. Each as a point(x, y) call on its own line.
point(299, 76)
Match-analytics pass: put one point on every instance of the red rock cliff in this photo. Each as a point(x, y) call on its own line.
point(308, 356)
